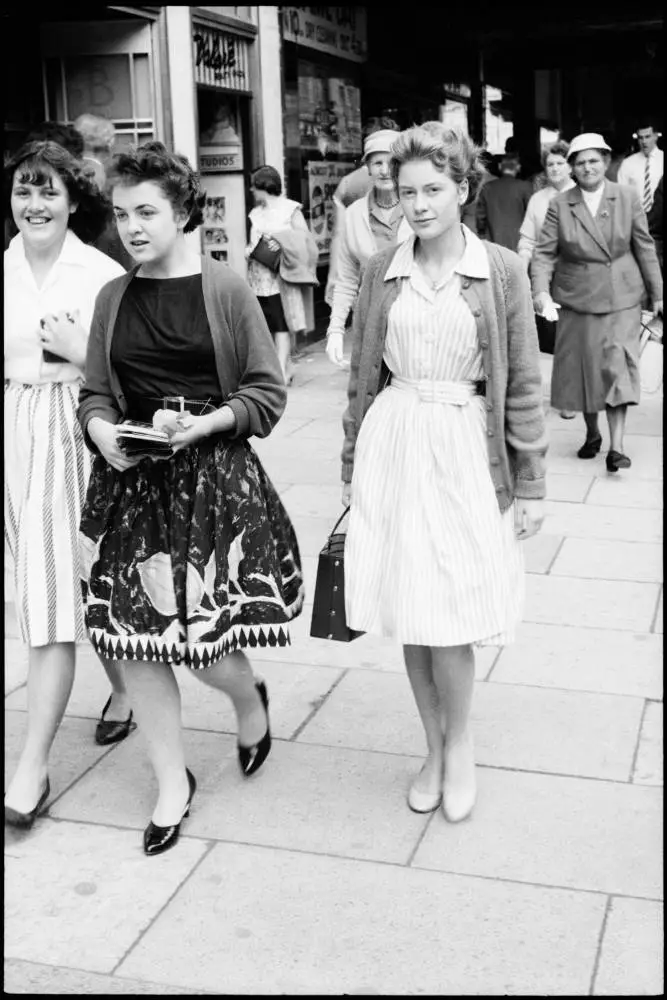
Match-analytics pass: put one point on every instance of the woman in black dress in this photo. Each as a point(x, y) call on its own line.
point(191, 558)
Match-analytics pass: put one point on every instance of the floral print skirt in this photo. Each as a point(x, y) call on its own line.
point(188, 559)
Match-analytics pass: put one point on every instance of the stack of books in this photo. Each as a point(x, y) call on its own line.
point(143, 440)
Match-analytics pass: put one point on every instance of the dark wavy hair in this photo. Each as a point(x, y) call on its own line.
point(267, 179)
point(65, 135)
point(36, 162)
point(171, 172)
point(450, 150)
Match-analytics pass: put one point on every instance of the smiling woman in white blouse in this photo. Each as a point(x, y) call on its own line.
point(51, 281)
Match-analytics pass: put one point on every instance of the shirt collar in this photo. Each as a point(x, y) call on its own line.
point(473, 264)
point(73, 251)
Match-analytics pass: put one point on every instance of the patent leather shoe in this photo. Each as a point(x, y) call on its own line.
point(25, 820)
point(158, 839)
point(252, 758)
point(112, 732)
point(616, 460)
point(590, 447)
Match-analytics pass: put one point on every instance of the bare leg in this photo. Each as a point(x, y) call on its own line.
point(233, 675)
point(119, 708)
point(616, 418)
point(454, 676)
point(156, 702)
point(283, 343)
point(50, 679)
point(420, 674)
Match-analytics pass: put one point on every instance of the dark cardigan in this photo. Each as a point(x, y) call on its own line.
point(247, 365)
point(503, 311)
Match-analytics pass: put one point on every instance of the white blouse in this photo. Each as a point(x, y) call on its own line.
point(72, 284)
point(264, 221)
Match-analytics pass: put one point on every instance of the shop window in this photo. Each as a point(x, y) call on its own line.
point(454, 114)
point(117, 87)
point(497, 119)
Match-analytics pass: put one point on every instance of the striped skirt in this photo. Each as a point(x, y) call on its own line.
point(46, 475)
point(430, 560)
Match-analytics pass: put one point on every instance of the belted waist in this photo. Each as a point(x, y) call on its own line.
point(430, 391)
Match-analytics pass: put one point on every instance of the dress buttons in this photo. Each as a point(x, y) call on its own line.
point(500, 489)
point(477, 312)
point(484, 343)
point(495, 461)
point(608, 264)
point(489, 433)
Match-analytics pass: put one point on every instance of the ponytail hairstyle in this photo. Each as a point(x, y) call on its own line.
point(171, 172)
point(450, 150)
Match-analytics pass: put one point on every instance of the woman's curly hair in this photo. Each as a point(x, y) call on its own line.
point(172, 173)
point(37, 161)
point(449, 150)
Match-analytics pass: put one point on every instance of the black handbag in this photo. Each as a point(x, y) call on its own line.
point(267, 252)
point(328, 620)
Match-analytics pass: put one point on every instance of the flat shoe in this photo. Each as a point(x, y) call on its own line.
point(590, 447)
point(25, 820)
point(423, 802)
point(567, 414)
point(616, 460)
point(112, 732)
point(457, 806)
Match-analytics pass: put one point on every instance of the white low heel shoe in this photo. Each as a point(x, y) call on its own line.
point(423, 802)
point(460, 792)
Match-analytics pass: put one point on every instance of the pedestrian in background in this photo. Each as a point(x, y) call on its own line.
point(274, 214)
point(501, 206)
point(353, 186)
point(192, 558)
point(655, 221)
point(643, 170)
point(559, 178)
point(371, 223)
point(446, 462)
point(594, 261)
point(51, 281)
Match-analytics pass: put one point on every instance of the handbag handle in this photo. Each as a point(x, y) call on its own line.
point(333, 530)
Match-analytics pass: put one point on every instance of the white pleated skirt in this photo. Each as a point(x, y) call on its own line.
point(429, 557)
point(46, 475)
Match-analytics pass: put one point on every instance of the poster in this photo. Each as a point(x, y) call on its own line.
point(323, 179)
point(223, 231)
point(220, 143)
point(329, 112)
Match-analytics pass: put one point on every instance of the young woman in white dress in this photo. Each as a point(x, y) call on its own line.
point(444, 447)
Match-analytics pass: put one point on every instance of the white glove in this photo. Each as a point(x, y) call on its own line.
point(335, 348)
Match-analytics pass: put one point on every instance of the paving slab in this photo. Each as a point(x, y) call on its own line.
point(316, 799)
point(645, 452)
point(632, 958)
point(314, 501)
point(650, 757)
point(539, 552)
point(576, 833)
point(640, 494)
point(591, 603)
point(567, 487)
point(658, 621)
point(35, 979)
point(517, 727)
point(583, 659)
point(600, 559)
point(266, 922)
point(72, 893)
point(622, 524)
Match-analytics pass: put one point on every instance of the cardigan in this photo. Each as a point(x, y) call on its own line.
point(502, 307)
point(247, 365)
point(601, 264)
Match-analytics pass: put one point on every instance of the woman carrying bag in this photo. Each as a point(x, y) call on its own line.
point(444, 450)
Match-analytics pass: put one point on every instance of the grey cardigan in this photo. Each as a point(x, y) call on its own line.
point(247, 365)
point(503, 310)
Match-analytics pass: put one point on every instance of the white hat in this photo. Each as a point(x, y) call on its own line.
point(587, 140)
point(379, 142)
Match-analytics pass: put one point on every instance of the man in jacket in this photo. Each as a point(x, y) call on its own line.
point(501, 206)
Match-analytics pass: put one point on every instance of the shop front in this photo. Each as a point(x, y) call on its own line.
point(222, 68)
point(324, 49)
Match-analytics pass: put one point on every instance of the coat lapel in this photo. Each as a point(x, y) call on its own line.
point(580, 212)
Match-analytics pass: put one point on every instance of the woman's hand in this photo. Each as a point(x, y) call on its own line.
point(546, 307)
point(657, 308)
point(103, 435)
point(346, 495)
point(191, 429)
point(334, 349)
point(62, 334)
point(528, 517)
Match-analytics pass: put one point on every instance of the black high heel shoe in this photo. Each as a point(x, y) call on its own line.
point(252, 758)
point(112, 732)
point(590, 447)
point(617, 460)
point(158, 839)
point(25, 820)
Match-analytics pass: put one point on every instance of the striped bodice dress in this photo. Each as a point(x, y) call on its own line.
point(429, 558)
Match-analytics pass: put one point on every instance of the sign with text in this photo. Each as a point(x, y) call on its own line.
point(323, 179)
point(340, 31)
point(221, 59)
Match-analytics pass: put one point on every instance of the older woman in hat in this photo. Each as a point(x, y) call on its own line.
point(372, 223)
point(593, 265)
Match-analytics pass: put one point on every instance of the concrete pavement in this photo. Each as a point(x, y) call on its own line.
point(314, 877)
